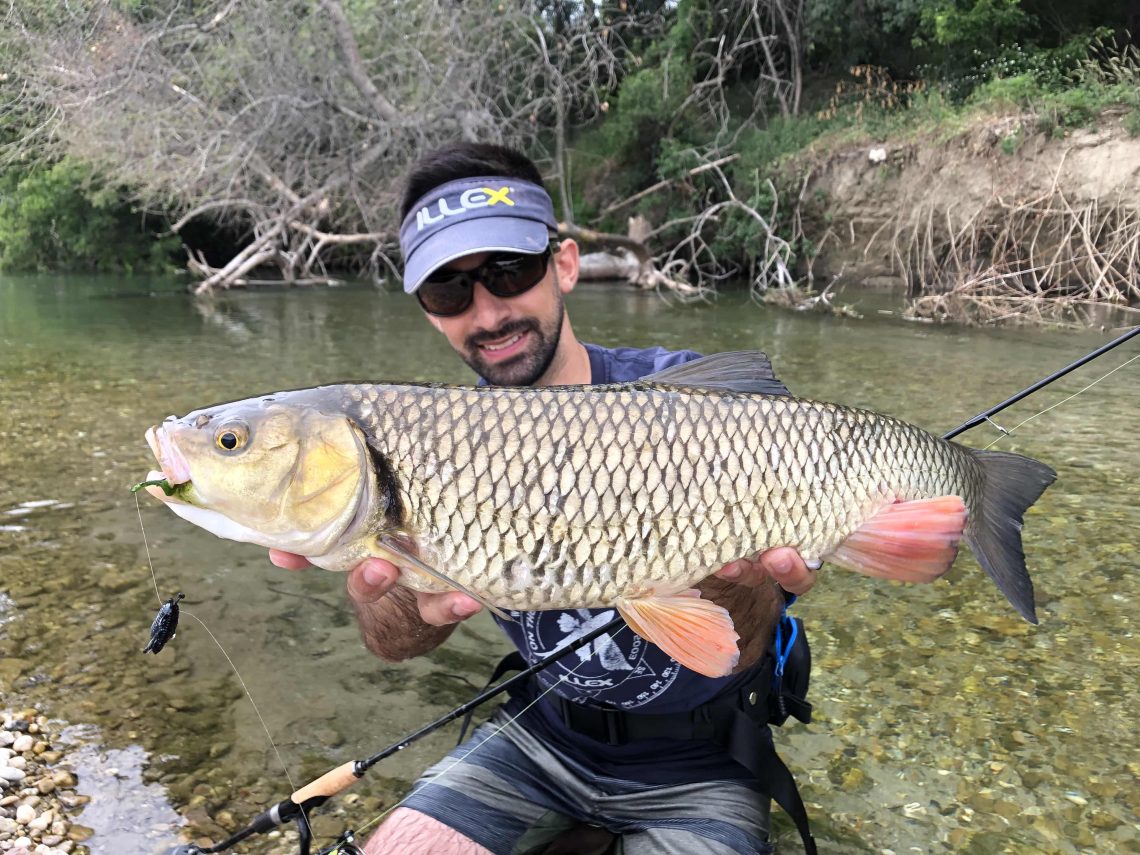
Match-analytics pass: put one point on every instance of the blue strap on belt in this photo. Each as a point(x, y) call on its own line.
point(786, 627)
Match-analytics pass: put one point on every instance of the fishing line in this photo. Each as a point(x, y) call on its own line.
point(237, 673)
point(312, 795)
point(146, 546)
point(1042, 383)
point(1009, 431)
point(561, 679)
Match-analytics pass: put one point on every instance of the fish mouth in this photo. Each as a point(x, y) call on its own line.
point(174, 466)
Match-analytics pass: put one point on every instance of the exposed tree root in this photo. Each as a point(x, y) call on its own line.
point(1043, 260)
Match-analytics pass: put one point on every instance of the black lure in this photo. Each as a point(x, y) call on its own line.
point(164, 626)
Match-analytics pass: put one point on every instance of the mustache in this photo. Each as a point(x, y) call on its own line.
point(508, 329)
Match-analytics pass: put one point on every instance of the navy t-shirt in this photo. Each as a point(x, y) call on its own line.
point(621, 670)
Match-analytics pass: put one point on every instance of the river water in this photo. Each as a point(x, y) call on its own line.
point(943, 722)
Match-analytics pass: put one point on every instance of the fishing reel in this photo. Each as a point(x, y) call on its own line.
point(345, 845)
point(279, 814)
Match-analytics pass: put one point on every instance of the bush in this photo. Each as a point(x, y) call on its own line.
point(1132, 122)
point(62, 217)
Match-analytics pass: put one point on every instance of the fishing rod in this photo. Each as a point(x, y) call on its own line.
point(1040, 384)
point(316, 793)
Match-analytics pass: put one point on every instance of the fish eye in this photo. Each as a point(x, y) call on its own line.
point(231, 437)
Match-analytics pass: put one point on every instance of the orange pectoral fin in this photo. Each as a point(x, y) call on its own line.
point(913, 541)
point(695, 632)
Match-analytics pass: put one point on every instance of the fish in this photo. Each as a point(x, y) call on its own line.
point(624, 495)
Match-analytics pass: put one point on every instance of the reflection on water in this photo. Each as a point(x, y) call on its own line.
point(943, 721)
point(130, 815)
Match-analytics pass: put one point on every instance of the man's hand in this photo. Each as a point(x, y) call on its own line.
point(373, 578)
point(781, 564)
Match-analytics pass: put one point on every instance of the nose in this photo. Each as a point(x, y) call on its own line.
point(488, 312)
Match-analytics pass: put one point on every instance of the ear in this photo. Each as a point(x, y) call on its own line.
point(566, 262)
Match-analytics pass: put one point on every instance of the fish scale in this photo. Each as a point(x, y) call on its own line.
point(526, 480)
point(587, 496)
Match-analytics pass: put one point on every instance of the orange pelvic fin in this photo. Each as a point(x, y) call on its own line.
point(913, 541)
point(695, 632)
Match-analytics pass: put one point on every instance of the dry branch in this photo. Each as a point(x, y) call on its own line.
point(1031, 261)
point(248, 116)
point(661, 185)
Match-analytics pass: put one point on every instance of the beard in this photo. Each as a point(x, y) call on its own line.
point(526, 368)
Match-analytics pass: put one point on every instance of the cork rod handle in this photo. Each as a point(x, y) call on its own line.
point(329, 784)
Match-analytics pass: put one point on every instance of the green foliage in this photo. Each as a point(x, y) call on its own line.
point(61, 217)
point(1132, 122)
point(880, 33)
point(960, 44)
point(1012, 141)
point(1094, 78)
point(974, 25)
point(1018, 92)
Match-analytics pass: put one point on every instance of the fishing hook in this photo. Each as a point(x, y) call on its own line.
point(317, 792)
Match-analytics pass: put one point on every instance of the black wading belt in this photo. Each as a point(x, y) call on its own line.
point(736, 721)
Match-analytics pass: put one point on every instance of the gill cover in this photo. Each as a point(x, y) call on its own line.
point(262, 471)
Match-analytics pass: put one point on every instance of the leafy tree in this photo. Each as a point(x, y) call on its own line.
point(62, 217)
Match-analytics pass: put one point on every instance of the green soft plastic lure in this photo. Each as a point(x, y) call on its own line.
point(160, 482)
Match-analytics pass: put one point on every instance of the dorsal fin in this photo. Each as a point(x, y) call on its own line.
point(747, 371)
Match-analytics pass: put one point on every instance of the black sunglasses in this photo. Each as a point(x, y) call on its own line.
point(447, 293)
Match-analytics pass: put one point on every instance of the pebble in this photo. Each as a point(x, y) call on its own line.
point(37, 796)
point(41, 822)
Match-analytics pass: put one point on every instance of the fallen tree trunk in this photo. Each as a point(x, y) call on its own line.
point(647, 276)
point(607, 265)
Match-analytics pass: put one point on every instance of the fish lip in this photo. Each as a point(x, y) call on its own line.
point(175, 467)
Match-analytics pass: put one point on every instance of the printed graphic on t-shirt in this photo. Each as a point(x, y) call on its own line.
point(620, 669)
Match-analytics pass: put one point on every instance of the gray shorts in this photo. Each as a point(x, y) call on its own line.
point(514, 795)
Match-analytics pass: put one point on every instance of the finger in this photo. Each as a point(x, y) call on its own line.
point(371, 579)
point(739, 570)
point(785, 565)
point(444, 609)
point(288, 560)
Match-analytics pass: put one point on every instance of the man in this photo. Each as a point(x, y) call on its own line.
point(482, 258)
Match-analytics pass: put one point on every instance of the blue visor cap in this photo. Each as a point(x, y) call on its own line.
point(474, 215)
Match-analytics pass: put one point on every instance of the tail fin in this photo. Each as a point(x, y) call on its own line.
point(1011, 484)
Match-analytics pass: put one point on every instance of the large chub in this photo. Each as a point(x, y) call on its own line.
point(1011, 484)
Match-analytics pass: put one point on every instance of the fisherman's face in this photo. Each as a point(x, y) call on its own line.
point(512, 341)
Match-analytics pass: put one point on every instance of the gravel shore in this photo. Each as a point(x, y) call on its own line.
point(37, 789)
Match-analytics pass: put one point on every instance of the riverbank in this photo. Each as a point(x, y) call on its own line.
point(916, 197)
point(38, 796)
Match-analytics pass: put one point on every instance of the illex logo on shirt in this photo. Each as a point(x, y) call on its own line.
point(469, 200)
point(621, 669)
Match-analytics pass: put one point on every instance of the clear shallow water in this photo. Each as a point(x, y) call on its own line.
point(944, 723)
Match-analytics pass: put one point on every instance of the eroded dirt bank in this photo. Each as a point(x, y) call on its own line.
point(1005, 199)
